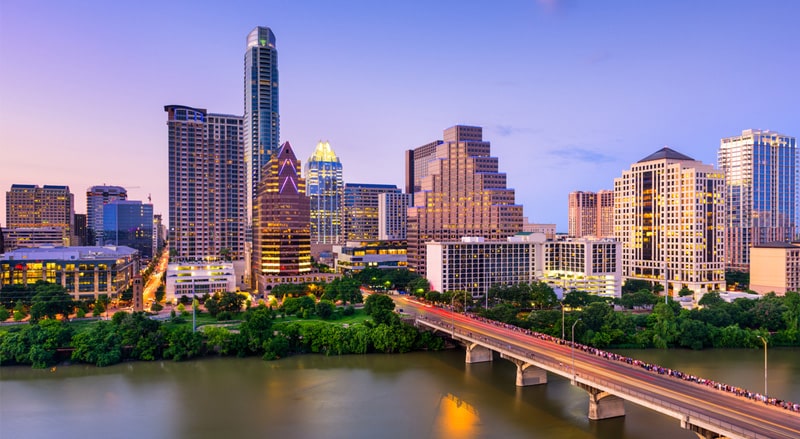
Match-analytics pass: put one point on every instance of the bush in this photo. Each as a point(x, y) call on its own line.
point(224, 315)
point(348, 310)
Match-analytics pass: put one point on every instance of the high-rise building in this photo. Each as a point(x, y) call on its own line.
point(29, 205)
point(96, 198)
point(129, 223)
point(324, 188)
point(206, 184)
point(81, 232)
point(261, 115)
point(393, 215)
point(761, 194)
point(281, 224)
point(361, 209)
point(158, 231)
point(591, 214)
point(458, 191)
point(669, 216)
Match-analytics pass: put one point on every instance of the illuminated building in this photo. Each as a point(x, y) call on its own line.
point(96, 198)
point(358, 255)
point(361, 209)
point(206, 185)
point(261, 115)
point(199, 277)
point(669, 216)
point(31, 237)
point(85, 272)
point(458, 192)
point(393, 215)
point(129, 223)
point(761, 192)
point(587, 264)
point(29, 205)
point(591, 214)
point(324, 188)
point(281, 226)
point(775, 268)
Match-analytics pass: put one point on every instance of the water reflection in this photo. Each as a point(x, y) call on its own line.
point(456, 419)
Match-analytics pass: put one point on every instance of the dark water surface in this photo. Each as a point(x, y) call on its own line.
point(418, 395)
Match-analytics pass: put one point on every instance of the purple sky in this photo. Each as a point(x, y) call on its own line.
point(569, 93)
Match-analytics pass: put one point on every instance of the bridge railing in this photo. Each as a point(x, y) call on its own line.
point(677, 411)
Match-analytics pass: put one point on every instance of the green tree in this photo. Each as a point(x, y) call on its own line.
point(4, 314)
point(633, 285)
point(542, 296)
point(711, 299)
point(665, 328)
point(638, 299)
point(325, 309)
point(693, 334)
point(419, 286)
point(183, 344)
point(376, 303)
point(218, 339)
point(685, 291)
point(101, 345)
point(49, 301)
point(161, 291)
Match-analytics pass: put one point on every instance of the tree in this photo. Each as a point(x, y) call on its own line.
point(49, 301)
point(419, 286)
point(160, 293)
point(376, 303)
point(4, 314)
point(101, 345)
point(711, 299)
point(685, 291)
point(641, 298)
point(183, 344)
point(633, 285)
point(664, 325)
point(325, 309)
point(231, 302)
point(542, 295)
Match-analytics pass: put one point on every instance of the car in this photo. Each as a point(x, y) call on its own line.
point(399, 309)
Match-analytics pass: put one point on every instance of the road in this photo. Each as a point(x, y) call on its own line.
point(154, 281)
point(679, 396)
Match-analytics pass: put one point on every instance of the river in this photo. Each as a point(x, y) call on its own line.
point(417, 395)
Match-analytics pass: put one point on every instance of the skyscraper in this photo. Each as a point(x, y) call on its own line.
point(29, 205)
point(361, 209)
point(324, 188)
point(458, 191)
point(393, 215)
point(96, 198)
point(261, 115)
point(761, 192)
point(669, 217)
point(591, 214)
point(282, 239)
point(206, 184)
point(129, 223)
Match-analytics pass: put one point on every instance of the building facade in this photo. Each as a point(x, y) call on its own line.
point(207, 205)
point(458, 191)
point(129, 223)
point(281, 225)
point(96, 198)
point(760, 168)
point(325, 190)
point(80, 232)
point(360, 206)
point(32, 237)
point(669, 217)
point(591, 214)
point(393, 215)
point(775, 268)
point(587, 264)
point(85, 272)
point(355, 256)
point(29, 205)
point(549, 230)
point(190, 278)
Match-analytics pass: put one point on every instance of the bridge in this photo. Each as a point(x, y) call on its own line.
point(699, 406)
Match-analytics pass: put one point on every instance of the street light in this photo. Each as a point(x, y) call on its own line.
point(573, 349)
point(562, 320)
point(765, 364)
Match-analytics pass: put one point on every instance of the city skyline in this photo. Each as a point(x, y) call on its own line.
point(569, 93)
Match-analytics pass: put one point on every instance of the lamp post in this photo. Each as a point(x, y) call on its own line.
point(573, 349)
point(453, 313)
point(765, 364)
point(562, 320)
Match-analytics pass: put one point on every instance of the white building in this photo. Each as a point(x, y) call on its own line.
point(358, 255)
point(393, 215)
point(588, 264)
point(199, 278)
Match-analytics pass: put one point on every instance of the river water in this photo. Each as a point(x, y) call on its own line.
point(417, 395)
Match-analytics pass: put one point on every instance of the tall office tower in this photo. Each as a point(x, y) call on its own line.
point(761, 192)
point(158, 231)
point(393, 215)
point(96, 198)
point(261, 115)
point(360, 207)
point(29, 205)
point(282, 219)
point(669, 216)
point(129, 223)
point(206, 184)
point(591, 214)
point(324, 187)
point(81, 232)
point(461, 193)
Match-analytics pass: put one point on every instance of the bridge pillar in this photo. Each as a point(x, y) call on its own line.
point(603, 405)
point(477, 353)
point(700, 431)
point(527, 374)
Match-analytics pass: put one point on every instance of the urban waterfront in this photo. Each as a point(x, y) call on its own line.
point(418, 395)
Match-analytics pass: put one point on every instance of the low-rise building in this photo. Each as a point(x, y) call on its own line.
point(190, 278)
point(586, 264)
point(358, 255)
point(31, 237)
point(775, 267)
point(85, 272)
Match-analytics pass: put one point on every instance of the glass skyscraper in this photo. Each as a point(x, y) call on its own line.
point(761, 192)
point(324, 188)
point(129, 223)
point(96, 198)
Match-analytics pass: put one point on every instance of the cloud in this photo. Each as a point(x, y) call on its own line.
point(508, 130)
point(575, 154)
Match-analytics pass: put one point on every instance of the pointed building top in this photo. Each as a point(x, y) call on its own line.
point(665, 153)
point(323, 153)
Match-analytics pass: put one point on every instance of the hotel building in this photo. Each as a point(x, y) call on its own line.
point(591, 214)
point(760, 168)
point(587, 264)
point(29, 205)
point(458, 191)
point(775, 268)
point(669, 217)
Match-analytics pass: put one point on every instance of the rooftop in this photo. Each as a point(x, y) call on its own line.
point(665, 153)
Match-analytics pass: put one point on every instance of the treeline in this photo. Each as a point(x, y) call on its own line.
point(134, 336)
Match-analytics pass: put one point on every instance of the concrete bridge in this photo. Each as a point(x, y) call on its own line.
point(703, 409)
